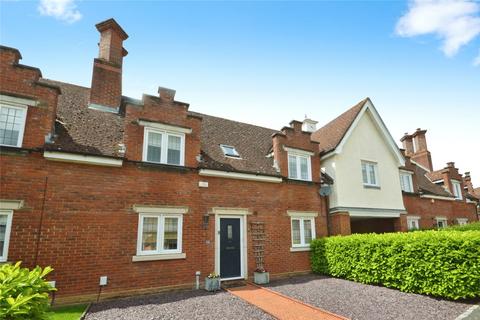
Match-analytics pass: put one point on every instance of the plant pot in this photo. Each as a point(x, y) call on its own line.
point(261, 277)
point(212, 284)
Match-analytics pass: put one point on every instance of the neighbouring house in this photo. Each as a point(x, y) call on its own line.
point(433, 198)
point(141, 195)
point(145, 192)
point(361, 156)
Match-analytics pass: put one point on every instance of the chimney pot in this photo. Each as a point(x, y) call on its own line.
point(451, 164)
point(166, 93)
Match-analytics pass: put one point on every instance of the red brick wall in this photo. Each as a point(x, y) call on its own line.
point(428, 209)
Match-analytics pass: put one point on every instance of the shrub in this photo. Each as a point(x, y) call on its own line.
point(23, 292)
point(465, 227)
point(438, 263)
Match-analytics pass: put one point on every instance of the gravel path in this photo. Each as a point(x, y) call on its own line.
point(366, 302)
point(177, 305)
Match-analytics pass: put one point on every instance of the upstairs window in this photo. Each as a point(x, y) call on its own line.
point(12, 125)
point(370, 174)
point(457, 190)
point(299, 167)
point(164, 147)
point(406, 181)
point(229, 151)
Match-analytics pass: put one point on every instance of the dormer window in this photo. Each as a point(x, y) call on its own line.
point(164, 147)
point(12, 125)
point(299, 164)
point(229, 151)
point(457, 190)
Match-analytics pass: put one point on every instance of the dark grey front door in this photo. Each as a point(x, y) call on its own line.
point(230, 260)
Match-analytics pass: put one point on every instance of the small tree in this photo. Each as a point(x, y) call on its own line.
point(24, 292)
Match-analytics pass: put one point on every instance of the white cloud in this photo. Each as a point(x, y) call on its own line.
point(456, 22)
point(64, 10)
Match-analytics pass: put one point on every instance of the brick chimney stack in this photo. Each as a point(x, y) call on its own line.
point(415, 146)
point(106, 90)
point(467, 181)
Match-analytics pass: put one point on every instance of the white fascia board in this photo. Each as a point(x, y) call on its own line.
point(231, 211)
point(11, 204)
point(166, 127)
point(80, 158)
point(160, 209)
point(17, 101)
point(381, 126)
point(239, 176)
point(436, 197)
point(298, 151)
point(309, 214)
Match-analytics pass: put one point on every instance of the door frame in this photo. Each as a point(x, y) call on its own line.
point(243, 242)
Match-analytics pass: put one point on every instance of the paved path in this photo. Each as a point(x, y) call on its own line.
point(280, 306)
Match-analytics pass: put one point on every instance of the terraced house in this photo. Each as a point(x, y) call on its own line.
point(147, 194)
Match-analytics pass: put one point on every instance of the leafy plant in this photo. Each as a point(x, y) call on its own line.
point(24, 292)
point(213, 275)
point(465, 227)
point(438, 263)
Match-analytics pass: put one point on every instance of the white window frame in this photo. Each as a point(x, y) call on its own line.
point(164, 151)
point(443, 220)
point(235, 155)
point(9, 214)
point(302, 243)
point(457, 189)
point(373, 165)
point(298, 155)
point(160, 233)
point(462, 221)
point(22, 129)
point(415, 220)
point(410, 181)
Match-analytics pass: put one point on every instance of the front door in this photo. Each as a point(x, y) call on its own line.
point(230, 252)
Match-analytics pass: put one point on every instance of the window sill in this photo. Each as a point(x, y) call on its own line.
point(299, 249)
point(155, 257)
point(368, 186)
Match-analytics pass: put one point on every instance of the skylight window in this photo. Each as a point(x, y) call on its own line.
point(229, 151)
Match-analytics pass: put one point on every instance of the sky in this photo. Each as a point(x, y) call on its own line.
point(267, 62)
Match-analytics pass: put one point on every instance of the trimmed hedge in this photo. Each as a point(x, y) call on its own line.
point(437, 263)
point(465, 227)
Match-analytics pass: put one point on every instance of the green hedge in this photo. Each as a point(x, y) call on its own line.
point(438, 263)
point(465, 227)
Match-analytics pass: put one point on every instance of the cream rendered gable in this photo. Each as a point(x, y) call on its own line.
point(366, 140)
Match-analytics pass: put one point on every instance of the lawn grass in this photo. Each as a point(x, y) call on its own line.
point(68, 312)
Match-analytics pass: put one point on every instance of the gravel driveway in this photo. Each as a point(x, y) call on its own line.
point(177, 305)
point(366, 302)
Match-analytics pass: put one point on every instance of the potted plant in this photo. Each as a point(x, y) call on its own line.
point(261, 276)
point(212, 282)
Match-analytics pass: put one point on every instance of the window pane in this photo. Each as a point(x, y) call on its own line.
point(3, 228)
point(149, 234)
point(292, 167)
point(304, 168)
point(372, 174)
point(364, 173)
point(307, 230)
point(296, 232)
point(154, 149)
point(11, 121)
point(170, 234)
point(174, 146)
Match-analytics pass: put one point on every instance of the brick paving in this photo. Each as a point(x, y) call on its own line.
point(281, 306)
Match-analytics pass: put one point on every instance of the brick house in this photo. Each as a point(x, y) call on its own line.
point(148, 192)
point(434, 198)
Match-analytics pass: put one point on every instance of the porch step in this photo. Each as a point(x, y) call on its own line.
point(233, 284)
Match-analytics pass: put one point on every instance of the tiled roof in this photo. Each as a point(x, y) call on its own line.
point(428, 186)
point(80, 129)
point(252, 143)
point(330, 135)
point(435, 175)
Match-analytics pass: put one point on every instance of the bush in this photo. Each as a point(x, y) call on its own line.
point(465, 227)
point(438, 263)
point(23, 293)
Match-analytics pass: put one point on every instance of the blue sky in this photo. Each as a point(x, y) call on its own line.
point(267, 63)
